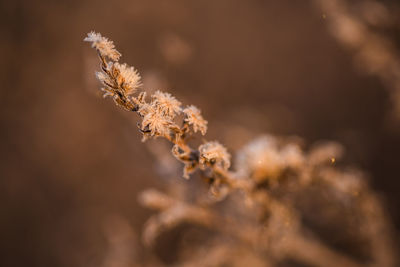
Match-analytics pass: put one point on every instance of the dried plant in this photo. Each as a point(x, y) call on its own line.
point(362, 27)
point(280, 203)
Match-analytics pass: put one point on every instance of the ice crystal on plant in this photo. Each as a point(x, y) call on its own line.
point(263, 158)
point(128, 78)
point(193, 117)
point(167, 104)
point(214, 153)
point(105, 47)
point(156, 123)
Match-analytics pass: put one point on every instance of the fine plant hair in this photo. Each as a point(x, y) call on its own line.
point(276, 205)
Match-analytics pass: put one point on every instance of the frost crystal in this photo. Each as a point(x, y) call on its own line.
point(166, 104)
point(128, 78)
point(193, 117)
point(214, 153)
point(156, 123)
point(103, 45)
point(263, 158)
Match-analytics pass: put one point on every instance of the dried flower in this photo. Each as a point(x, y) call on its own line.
point(214, 153)
point(166, 104)
point(193, 117)
point(263, 158)
point(128, 78)
point(105, 47)
point(120, 82)
point(155, 122)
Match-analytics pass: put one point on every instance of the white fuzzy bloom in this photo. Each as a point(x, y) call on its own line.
point(103, 45)
point(214, 153)
point(166, 104)
point(193, 117)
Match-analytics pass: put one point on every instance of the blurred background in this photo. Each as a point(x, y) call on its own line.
point(72, 163)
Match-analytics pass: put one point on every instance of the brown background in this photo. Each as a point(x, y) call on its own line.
point(70, 159)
